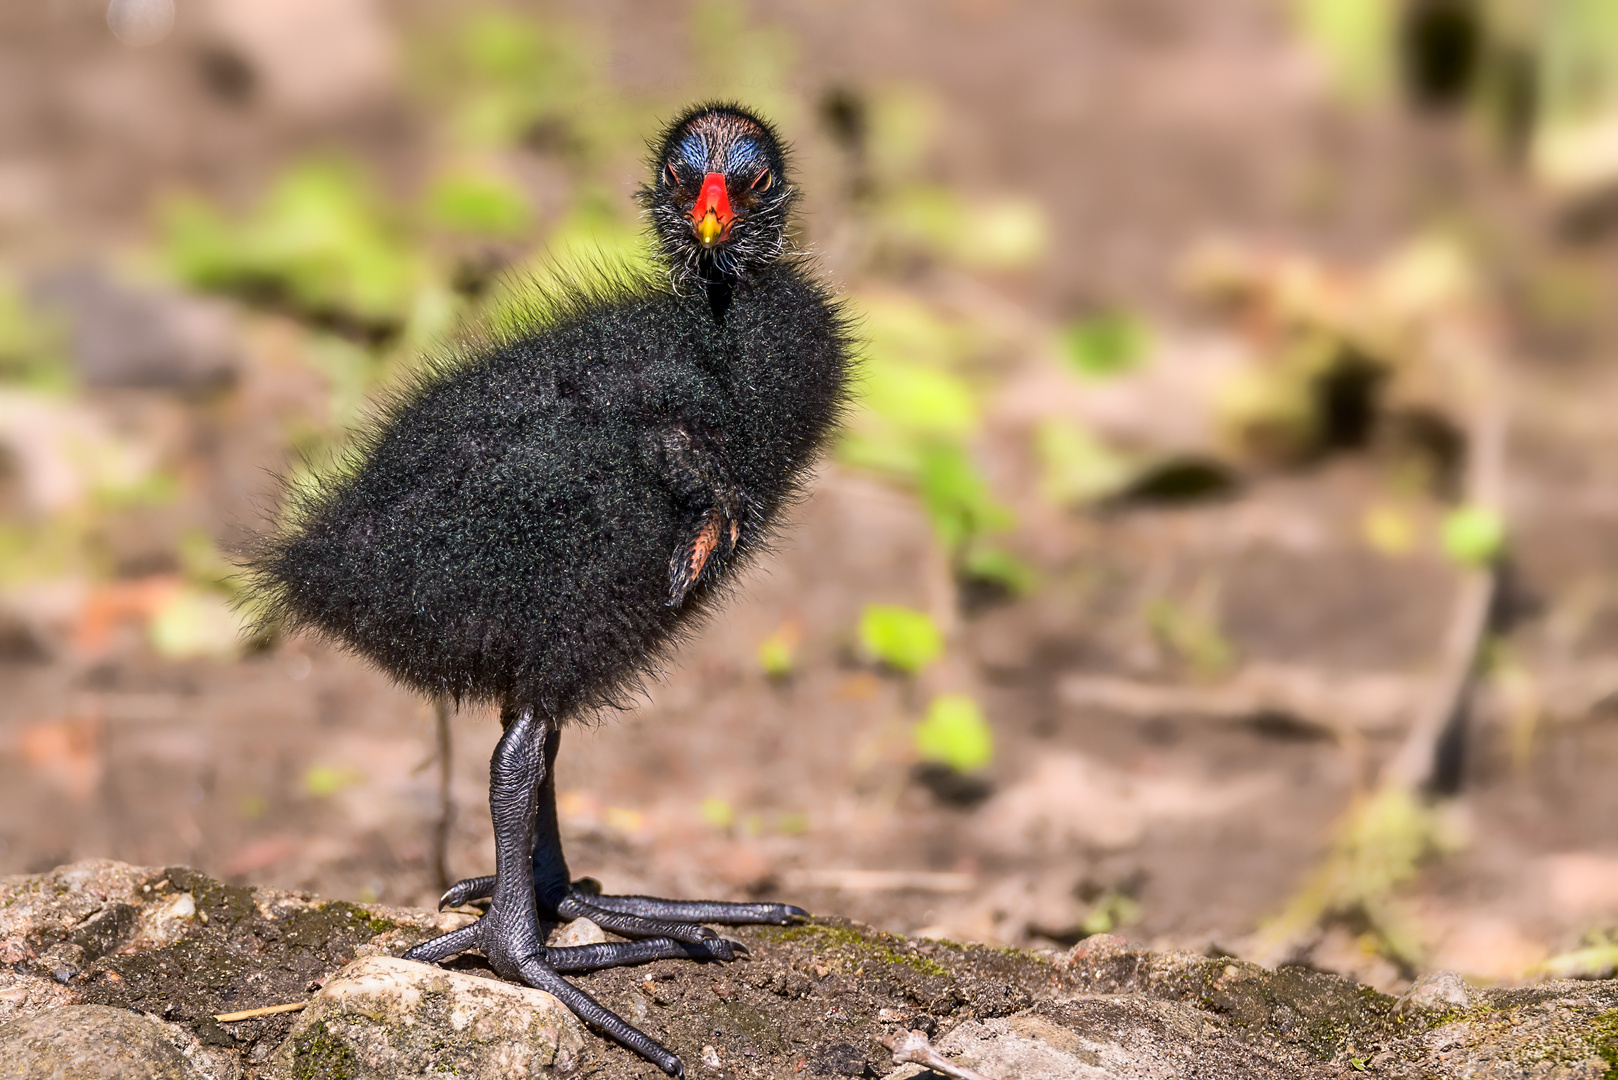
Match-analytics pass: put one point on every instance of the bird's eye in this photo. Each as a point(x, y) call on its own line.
point(674, 177)
point(762, 181)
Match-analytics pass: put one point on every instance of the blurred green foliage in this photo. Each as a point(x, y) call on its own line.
point(776, 653)
point(917, 415)
point(195, 623)
point(954, 733)
point(991, 233)
point(717, 812)
point(1110, 911)
point(508, 79)
point(956, 496)
point(322, 241)
point(995, 566)
point(479, 203)
point(322, 780)
point(1190, 634)
point(46, 550)
point(1380, 844)
point(740, 58)
point(600, 229)
point(1578, 54)
point(1107, 344)
point(903, 639)
point(905, 121)
point(1473, 535)
point(1076, 468)
point(1356, 38)
point(33, 345)
point(1597, 958)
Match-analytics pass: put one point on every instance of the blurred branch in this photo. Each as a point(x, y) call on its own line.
point(1429, 757)
point(446, 798)
point(1326, 701)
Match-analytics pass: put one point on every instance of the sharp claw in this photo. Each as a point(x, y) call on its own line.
point(741, 951)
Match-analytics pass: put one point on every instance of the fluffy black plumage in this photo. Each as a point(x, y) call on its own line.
point(503, 530)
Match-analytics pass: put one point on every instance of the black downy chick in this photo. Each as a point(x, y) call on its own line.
point(536, 522)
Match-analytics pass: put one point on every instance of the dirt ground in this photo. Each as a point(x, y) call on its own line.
point(1141, 127)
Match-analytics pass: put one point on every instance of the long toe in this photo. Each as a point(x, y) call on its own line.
point(623, 953)
point(717, 912)
point(632, 926)
point(540, 975)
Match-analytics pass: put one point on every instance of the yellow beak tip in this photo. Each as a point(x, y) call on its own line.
point(709, 229)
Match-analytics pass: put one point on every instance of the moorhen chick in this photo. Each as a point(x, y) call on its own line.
point(535, 521)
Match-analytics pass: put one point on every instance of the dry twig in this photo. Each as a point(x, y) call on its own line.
point(267, 1010)
point(912, 1047)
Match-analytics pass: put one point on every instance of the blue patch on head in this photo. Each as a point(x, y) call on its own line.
point(744, 152)
point(694, 149)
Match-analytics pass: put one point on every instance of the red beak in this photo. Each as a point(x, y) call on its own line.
point(712, 215)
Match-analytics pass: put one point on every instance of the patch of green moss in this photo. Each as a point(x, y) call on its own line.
point(1604, 1036)
point(882, 947)
point(318, 1055)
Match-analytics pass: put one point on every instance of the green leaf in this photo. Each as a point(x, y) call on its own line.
point(330, 779)
point(955, 734)
point(901, 638)
point(956, 497)
point(1473, 535)
point(481, 204)
point(717, 812)
point(1105, 345)
point(776, 652)
point(1357, 40)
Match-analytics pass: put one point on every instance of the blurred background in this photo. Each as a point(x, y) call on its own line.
point(1224, 553)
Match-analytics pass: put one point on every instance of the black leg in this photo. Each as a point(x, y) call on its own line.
point(509, 933)
point(627, 916)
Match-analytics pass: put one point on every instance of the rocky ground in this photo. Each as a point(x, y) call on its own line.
point(118, 972)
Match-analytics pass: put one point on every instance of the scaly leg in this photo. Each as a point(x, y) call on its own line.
point(509, 933)
point(627, 916)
